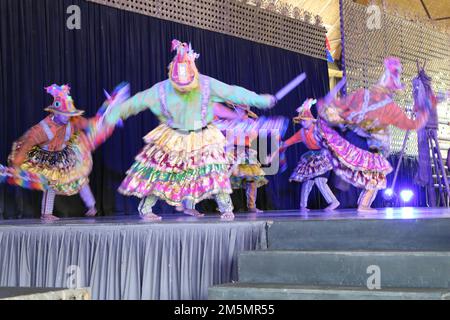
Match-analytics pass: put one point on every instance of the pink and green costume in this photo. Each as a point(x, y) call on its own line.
point(184, 159)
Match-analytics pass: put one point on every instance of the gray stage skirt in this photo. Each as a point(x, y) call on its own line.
point(168, 261)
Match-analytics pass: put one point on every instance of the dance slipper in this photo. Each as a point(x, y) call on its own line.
point(366, 210)
point(49, 218)
point(193, 213)
point(333, 206)
point(150, 217)
point(227, 216)
point(91, 212)
point(255, 210)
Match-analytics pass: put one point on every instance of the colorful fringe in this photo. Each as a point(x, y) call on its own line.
point(24, 179)
point(66, 171)
point(3, 174)
point(246, 169)
point(96, 134)
point(312, 164)
point(248, 173)
point(248, 126)
point(176, 166)
point(358, 167)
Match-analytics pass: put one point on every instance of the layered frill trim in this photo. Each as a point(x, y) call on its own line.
point(177, 166)
point(66, 171)
point(169, 150)
point(312, 164)
point(248, 173)
point(358, 167)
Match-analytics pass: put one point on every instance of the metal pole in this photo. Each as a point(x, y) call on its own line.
point(402, 152)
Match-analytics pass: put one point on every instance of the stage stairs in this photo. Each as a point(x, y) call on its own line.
point(346, 259)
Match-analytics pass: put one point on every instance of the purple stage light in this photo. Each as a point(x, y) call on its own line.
point(406, 195)
point(388, 194)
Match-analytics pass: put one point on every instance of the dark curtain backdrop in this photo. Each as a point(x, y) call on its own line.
point(37, 49)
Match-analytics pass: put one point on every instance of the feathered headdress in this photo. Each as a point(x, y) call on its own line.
point(183, 73)
point(392, 74)
point(62, 101)
point(304, 111)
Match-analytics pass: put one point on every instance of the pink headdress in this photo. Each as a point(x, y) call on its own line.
point(183, 50)
point(63, 102)
point(183, 73)
point(304, 111)
point(392, 74)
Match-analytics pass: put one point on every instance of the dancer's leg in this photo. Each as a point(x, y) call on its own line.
point(304, 194)
point(145, 208)
point(225, 206)
point(251, 191)
point(189, 209)
point(48, 202)
point(331, 199)
point(89, 200)
point(365, 200)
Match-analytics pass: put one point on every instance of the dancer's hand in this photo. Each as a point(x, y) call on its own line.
point(273, 100)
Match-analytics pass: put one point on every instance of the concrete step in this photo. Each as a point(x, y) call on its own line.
point(249, 291)
point(363, 234)
point(347, 268)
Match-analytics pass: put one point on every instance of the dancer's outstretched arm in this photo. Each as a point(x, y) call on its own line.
point(222, 92)
point(144, 100)
point(296, 138)
point(397, 117)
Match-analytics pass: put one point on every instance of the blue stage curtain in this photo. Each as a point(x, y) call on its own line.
point(37, 49)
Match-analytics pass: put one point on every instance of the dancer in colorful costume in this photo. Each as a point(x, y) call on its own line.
point(314, 166)
point(247, 174)
point(241, 127)
point(55, 155)
point(184, 159)
point(369, 112)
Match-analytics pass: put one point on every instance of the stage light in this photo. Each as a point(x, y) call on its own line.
point(388, 194)
point(406, 195)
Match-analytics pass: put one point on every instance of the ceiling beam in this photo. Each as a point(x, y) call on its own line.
point(440, 19)
point(426, 9)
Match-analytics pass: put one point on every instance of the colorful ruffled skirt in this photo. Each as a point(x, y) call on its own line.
point(65, 171)
point(177, 166)
point(247, 169)
point(312, 164)
point(356, 166)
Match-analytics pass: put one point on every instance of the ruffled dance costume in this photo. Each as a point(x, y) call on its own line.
point(368, 112)
point(55, 156)
point(184, 159)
